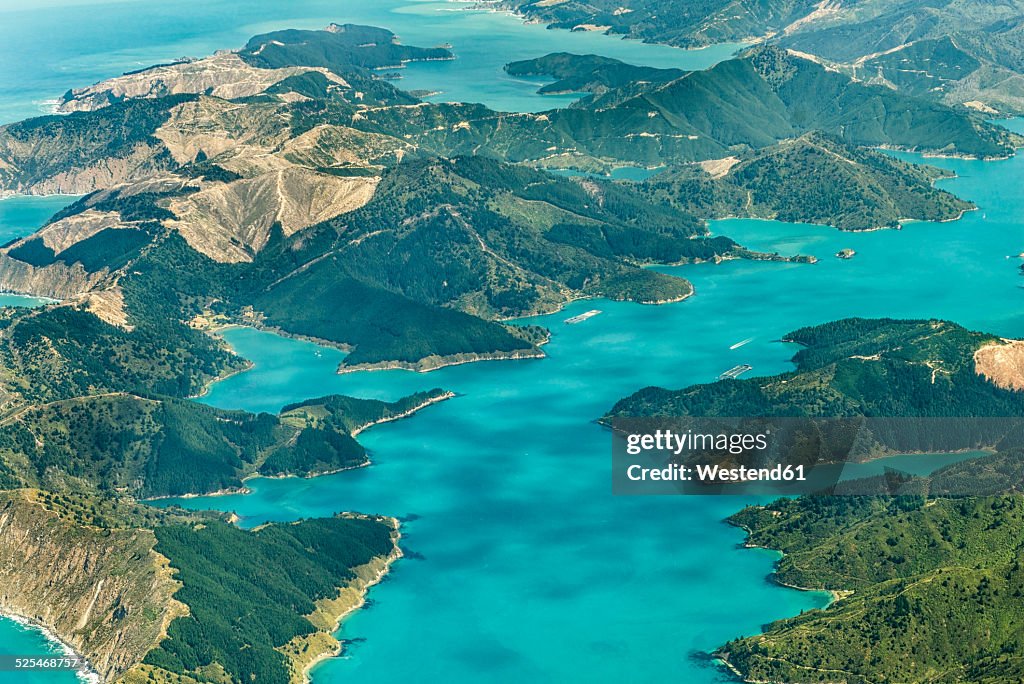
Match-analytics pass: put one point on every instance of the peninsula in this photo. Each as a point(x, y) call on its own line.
point(926, 571)
point(289, 186)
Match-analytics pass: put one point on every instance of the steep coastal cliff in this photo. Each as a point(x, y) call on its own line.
point(109, 592)
point(104, 592)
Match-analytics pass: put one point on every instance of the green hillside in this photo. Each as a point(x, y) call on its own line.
point(63, 352)
point(853, 367)
point(935, 587)
point(148, 446)
point(816, 179)
point(953, 52)
point(587, 73)
point(252, 594)
point(339, 48)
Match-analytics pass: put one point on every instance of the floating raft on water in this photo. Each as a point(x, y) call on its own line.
point(735, 372)
point(582, 317)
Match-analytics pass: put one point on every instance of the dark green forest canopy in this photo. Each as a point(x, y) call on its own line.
point(587, 73)
point(814, 178)
point(248, 592)
point(339, 48)
point(61, 352)
point(852, 367)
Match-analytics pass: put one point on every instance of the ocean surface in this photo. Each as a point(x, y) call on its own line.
point(57, 45)
point(21, 639)
point(520, 564)
point(20, 216)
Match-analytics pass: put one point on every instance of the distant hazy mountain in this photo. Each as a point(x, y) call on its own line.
point(962, 52)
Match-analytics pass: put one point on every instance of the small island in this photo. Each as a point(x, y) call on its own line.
point(846, 253)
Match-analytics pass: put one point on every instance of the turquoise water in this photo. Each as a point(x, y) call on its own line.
point(22, 300)
point(521, 565)
point(60, 44)
point(20, 216)
point(22, 640)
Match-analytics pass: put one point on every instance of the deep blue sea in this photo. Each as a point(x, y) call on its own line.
point(521, 565)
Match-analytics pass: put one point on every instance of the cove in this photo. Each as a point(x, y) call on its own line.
point(521, 562)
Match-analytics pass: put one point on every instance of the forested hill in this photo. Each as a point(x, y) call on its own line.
point(150, 595)
point(930, 586)
point(764, 95)
point(812, 178)
point(960, 53)
point(854, 367)
point(339, 48)
point(588, 73)
point(262, 604)
point(152, 446)
point(272, 190)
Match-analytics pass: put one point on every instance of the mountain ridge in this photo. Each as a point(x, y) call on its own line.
point(854, 36)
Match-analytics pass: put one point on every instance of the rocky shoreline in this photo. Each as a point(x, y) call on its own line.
point(721, 656)
point(84, 671)
point(434, 362)
point(307, 652)
point(404, 414)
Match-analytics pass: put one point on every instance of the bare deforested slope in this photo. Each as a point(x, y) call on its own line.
point(231, 222)
point(223, 75)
